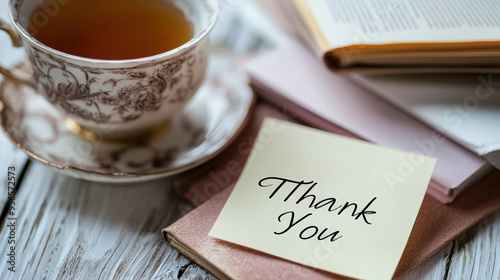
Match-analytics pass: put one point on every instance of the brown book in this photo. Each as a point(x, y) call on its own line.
point(435, 226)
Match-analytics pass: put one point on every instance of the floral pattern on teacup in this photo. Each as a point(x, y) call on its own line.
point(84, 92)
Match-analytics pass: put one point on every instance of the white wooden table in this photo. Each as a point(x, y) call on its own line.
point(72, 229)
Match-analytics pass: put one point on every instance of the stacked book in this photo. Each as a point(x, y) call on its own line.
point(309, 90)
point(376, 90)
point(451, 117)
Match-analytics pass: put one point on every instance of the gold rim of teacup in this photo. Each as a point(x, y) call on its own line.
point(90, 135)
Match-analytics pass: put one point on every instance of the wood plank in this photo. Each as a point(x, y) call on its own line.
point(68, 228)
point(10, 156)
point(195, 272)
point(477, 252)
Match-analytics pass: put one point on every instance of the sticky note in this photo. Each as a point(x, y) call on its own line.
point(325, 201)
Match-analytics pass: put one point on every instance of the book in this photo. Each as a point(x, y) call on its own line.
point(409, 36)
point(435, 226)
point(292, 77)
point(464, 107)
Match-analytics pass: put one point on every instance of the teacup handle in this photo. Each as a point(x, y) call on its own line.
point(14, 74)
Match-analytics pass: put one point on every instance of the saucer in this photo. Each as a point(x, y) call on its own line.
point(211, 120)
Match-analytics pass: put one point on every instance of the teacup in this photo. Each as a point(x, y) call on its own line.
point(116, 98)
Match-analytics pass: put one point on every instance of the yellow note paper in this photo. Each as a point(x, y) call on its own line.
point(325, 201)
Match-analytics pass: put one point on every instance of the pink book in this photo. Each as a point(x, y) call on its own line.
point(210, 184)
point(297, 81)
point(435, 226)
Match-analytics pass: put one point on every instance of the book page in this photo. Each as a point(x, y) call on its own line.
point(374, 22)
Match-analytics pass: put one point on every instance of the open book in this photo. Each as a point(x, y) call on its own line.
point(404, 35)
